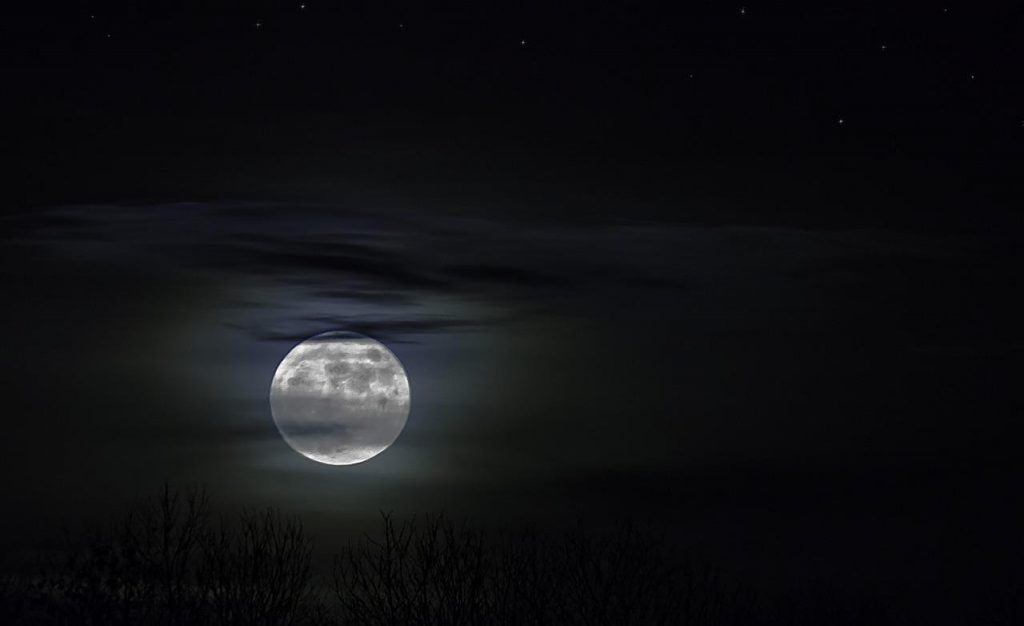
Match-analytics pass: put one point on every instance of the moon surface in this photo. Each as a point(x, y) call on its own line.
point(340, 398)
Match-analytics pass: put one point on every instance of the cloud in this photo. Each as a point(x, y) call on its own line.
point(398, 274)
point(392, 330)
point(506, 275)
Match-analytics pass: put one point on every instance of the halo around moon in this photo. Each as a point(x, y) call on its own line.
point(340, 398)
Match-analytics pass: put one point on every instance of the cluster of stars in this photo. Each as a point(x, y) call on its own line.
point(742, 11)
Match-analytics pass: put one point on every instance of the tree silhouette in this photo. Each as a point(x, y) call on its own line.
point(431, 571)
point(169, 562)
point(426, 571)
point(166, 564)
point(257, 572)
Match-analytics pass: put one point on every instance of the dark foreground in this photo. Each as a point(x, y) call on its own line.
point(171, 560)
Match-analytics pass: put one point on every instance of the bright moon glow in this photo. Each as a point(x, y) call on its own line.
point(340, 398)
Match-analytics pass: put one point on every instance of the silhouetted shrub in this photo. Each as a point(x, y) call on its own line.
point(166, 564)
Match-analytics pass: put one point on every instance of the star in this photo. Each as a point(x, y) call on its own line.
point(743, 10)
point(884, 47)
point(302, 6)
point(259, 24)
point(840, 121)
point(522, 42)
point(972, 76)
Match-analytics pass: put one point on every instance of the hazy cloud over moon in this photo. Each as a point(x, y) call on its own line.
point(340, 398)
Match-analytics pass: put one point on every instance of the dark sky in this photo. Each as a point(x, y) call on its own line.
point(748, 272)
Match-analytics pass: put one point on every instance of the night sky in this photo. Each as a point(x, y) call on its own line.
point(747, 272)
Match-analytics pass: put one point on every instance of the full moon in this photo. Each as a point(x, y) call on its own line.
point(340, 398)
